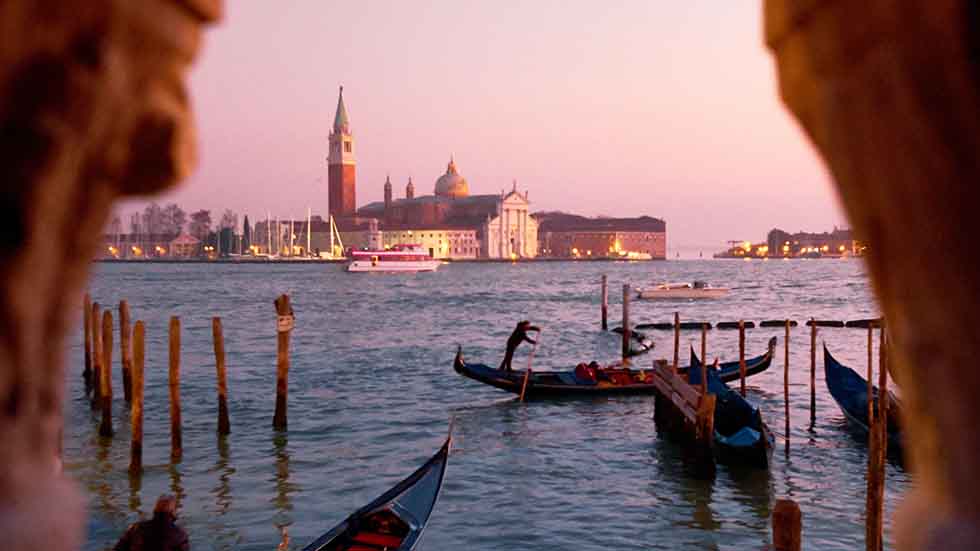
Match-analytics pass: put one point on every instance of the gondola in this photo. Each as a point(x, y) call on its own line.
point(728, 371)
point(395, 520)
point(639, 343)
point(850, 391)
point(741, 437)
point(613, 379)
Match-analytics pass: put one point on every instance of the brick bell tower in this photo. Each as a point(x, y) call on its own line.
point(341, 164)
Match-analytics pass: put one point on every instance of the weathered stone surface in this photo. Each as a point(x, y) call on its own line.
point(888, 92)
point(92, 107)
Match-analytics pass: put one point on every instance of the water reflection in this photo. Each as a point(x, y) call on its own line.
point(135, 485)
point(222, 491)
point(284, 488)
point(176, 485)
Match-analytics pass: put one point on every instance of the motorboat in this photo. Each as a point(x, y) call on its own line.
point(678, 291)
point(400, 258)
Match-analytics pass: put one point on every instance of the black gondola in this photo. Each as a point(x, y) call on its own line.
point(395, 520)
point(729, 371)
point(741, 437)
point(850, 391)
point(585, 381)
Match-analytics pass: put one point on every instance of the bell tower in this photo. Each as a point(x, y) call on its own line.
point(341, 164)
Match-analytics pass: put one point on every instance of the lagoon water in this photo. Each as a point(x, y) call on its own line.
point(372, 391)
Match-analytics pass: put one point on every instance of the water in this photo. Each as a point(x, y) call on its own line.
point(372, 390)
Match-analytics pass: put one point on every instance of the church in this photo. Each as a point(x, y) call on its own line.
point(450, 223)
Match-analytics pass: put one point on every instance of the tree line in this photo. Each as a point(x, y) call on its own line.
point(170, 220)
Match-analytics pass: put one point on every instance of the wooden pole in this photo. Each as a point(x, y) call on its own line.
point(87, 321)
point(96, 318)
point(626, 322)
point(878, 448)
point(105, 375)
point(741, 356)
point(124, 351)
point(871, 411)
point(283, 329)
point(527, 376)
point(786, 383)
point(224, 426)
point(704, 357)
point(677, 340)
point(176, 442)
point(813, 372)
point(787, 526)
point(136, 406)
point(605, 301)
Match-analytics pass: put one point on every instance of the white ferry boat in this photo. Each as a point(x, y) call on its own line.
point(400, 258)
point(696, 290)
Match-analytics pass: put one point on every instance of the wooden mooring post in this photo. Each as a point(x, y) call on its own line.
point(704, 357)
point(626, 322)
point(877, 451)
point(284, 326)
point(96, 319)
point(176, 440)
point(741, 356)
point(787, 526)
point(87, 321)
point(224, 425)
point(786, 383)
point(136, 406)
point(871, 411)
point(124, 351)
point(605, 301)
point(677, 340)
point(105, 376)
point(813, 373)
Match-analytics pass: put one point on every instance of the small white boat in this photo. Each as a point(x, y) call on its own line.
point(695, 290)
point(400, 258)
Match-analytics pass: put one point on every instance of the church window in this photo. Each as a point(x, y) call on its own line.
point(346, 147)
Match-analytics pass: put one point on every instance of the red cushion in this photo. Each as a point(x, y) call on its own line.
point(378, 539)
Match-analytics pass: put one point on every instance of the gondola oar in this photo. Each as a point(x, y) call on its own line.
point(527, 373)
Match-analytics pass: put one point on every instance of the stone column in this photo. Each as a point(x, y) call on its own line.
point(889, 96)
point(94, 107)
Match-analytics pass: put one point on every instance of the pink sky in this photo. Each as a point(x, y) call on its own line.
point(635, 107)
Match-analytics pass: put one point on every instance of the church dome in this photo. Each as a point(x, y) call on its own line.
point(451, 184)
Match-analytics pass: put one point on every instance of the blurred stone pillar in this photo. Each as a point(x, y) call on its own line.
point(887, 90)
point(92, 108)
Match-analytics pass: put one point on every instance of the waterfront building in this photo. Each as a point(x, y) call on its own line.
point(185, 246)
point(500, 224)
point(563, 235)
point(839, 242)
point(441, 243)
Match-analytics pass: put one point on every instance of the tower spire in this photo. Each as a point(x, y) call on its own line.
point(341, 124)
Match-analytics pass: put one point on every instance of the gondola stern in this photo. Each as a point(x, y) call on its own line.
point(458, 363)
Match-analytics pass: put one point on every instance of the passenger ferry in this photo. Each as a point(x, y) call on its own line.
point(400, 258)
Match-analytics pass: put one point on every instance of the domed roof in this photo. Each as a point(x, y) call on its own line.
point(451, 184)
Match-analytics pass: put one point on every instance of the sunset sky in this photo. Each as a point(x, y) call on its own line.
point(637, 107)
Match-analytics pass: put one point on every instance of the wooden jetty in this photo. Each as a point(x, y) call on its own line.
point(684, 412)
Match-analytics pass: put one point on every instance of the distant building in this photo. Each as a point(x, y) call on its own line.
point(839, 242)
point(562, 235)
point(472, 226)
point(185, 246)
point(449, 243)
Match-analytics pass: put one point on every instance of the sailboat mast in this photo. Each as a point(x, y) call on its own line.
point(268, 231)
point(309, 229)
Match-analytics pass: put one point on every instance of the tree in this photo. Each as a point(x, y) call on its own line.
point(152, 219)
point(229, 220)
point(174, 219)
point(246, 235)
point(200, 225)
